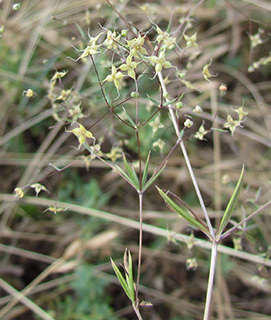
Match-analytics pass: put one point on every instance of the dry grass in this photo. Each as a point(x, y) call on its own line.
point(40, 251)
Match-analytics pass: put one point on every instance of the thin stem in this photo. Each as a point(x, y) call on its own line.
point(210, 281)
point(190, 169)
point(139, 158)
point(191, 172)
point(140, 196)
point(137, 102)
point(137, 312)
point(104, 96)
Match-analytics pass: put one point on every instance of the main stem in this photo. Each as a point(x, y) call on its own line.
point(210, 281)
point(140, 196)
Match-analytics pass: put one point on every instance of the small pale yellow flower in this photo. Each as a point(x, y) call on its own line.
point(206, 73)
point(241, 113)
point(156, 124)
point(231, 124)
point(38, 188)
point(190, 241)
point(129, 67)
point(19, 193)
point(29, 93)
point(114, 154)
point(65, 94)
point(191, 41)
point(197, 109)
point(76, 112)
point(89, 51)
point(255, 40)
point(111, 40)
point(136, 46)
point(160, 144)
point(160, 62)
point(115, 77)
point(96, 151)
point(58, 75)
point(201, 133)
point(81, 133)
point(191, 264)
point(188, 123)
point(168, 42)
point(16, 6)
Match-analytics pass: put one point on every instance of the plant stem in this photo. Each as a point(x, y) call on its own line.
point(190, 169)
point(210, 281)
point(140, 196)
point(137, 312)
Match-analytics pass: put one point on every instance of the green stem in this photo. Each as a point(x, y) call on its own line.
point(140, 195)
point(137, 312)
point(188, 164)
point(210, 281)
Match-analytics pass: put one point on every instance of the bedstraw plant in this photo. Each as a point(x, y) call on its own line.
point(123, 62)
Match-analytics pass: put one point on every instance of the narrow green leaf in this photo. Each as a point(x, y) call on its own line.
point(195, 223)
point(121, 280)
point(129, 118)
point(145, 172)
point(80, 30)
point(123, 173)
point(181, 134)
point(219, 130)
point(153, 100)
point(131, 280)
point(231, 205)
point(169, 102)
point(131, 173)
point(180, 98)
point(153, 178)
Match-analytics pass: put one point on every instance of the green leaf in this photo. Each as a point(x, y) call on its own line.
point(169, 102)
point(129, 118)
point(145, 172)
point(123, 173)
point(80, 30)
point(180, 98)
point(173, 206)
point(219, 130)
point(121, 280)
point(153, 100)
point(231, 205)
point(154, 177)
point(131, 280)
point(131, 173)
